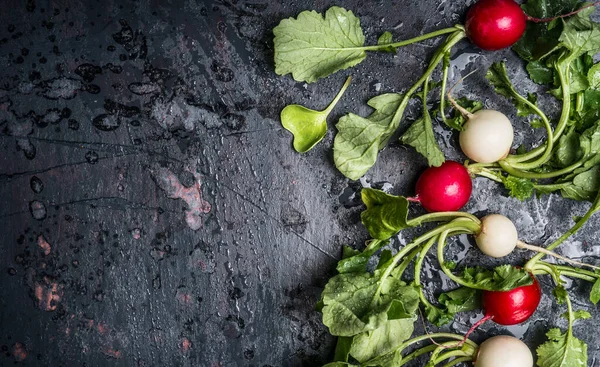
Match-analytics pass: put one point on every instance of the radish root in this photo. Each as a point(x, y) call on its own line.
point(542, 250)
point(546, 20)
point(466, 114)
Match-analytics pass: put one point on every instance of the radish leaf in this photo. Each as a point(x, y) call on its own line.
point(458, 120)
point(308, 126)
point(358, 261)
point(420, 135)
point(383, 340)
point(359, 139)
point(352, 303)
point(502, 278)
point(498, 77)
point(520, 188)
point(562, 350)
point(385, 215)
point(595, 293)
point(312, 46)
point(539, 38)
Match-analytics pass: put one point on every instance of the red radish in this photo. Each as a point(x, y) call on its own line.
point(503, 351)
point(444, 188)
point(495, 24)
point(514, 306)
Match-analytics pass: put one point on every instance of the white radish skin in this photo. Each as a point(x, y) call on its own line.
point(487, 136)
point(503, 351)
point(498, 236)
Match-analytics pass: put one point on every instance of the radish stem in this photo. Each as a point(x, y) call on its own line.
point(542, 250)
point(594, 208)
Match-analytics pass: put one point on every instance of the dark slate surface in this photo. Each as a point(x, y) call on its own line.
point(154, 212)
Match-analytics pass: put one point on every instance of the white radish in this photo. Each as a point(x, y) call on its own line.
point(498, 236)
point(503, 351)
point(487, 136)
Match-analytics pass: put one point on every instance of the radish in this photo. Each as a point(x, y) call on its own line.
point(487, 135)
point(498, 236)
point(444, 188)
point(495, 24)
point(503, 351)
point(514, 306)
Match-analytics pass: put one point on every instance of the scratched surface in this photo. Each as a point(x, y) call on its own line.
point(153, 210)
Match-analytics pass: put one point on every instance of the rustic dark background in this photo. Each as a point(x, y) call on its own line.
point(153, 210)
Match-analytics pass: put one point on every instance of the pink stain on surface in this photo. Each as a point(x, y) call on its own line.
point(44, 245)
point(113, 353)
point(184, 298)
point(48, 294)
point(102, 328)
point(192, 195)
point(186, 345)
point(19, 352)
point(136, 233)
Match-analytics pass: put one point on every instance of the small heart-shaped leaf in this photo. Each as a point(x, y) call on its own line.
point(308, 126)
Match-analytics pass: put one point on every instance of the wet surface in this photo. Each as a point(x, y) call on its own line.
point(154, 212)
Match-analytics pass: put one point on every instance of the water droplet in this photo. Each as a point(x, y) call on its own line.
point(37, 210)
point(36, 184)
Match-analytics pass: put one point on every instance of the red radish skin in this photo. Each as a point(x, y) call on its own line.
point(514, 306)
point(495, 24)
point(444, 188)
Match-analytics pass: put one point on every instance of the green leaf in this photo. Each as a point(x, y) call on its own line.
point(357, 261)
point(580, 35)
point(536, 124)
point(502, 278)
point(459, 300)
point(420, 136)
point(383, 340)
point(308, 126)
point(595, 293)
point(385, 215)
point(578, 315)
point(541, 38)
point(594, 76)
point(579, 71)
point(384, 40)
point(353, 305)
point(540, 73)
point(340, 364)
point(458, 120)
point(562, 350)
point(520, 188)
point(560, 293)
point(312, 46)
point(342, 349)
point(359, 139)
point(590, 110)
point(585, 185)
point(498, 77)
point(568, 149)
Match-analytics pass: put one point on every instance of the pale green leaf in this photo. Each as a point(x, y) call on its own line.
point(594, 76)
point(383, 340)
point(562, 350)
point(312, 46)
point(359, 139)
point(308, 126)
